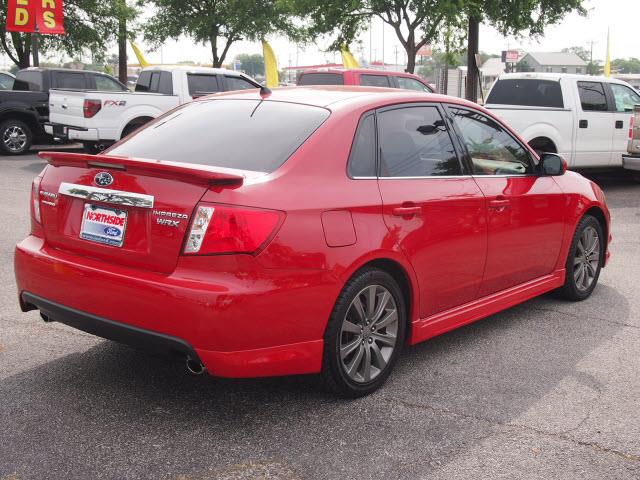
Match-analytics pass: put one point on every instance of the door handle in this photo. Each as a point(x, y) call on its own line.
point(65, 106)
point(407, 211)
point(619, 124)
point(583, 124)
point(499, 204)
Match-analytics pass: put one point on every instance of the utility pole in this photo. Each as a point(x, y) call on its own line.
point(591, 72)
point(35, 48)
point(122, 42)
point(395, 51)
point(472, 69)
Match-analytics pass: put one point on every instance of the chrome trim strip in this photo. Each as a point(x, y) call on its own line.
point(114, 197)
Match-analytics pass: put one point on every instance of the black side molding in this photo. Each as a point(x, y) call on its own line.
point(102, 327)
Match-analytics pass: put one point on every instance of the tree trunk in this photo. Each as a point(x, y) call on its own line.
point(411, 57)
point(122, 47)
point(473, 40)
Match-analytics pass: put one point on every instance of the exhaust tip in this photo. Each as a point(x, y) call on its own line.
point(195, 367)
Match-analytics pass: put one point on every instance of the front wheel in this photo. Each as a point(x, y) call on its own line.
point(16, 137)
point(585, 260)
point(365, 334)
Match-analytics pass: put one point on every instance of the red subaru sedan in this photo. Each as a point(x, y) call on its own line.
point(307, 230)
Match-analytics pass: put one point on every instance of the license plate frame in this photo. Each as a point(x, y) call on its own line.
point(107, 230)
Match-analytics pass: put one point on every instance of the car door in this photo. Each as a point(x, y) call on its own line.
point(524, 210)
point(594, 135)
point(624, 98)
point(434, 210)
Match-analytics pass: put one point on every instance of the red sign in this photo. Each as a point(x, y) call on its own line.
point(44, 16)
point(425, 51)
point(510, 56)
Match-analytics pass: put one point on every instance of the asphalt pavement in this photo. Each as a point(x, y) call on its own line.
point(545, 390)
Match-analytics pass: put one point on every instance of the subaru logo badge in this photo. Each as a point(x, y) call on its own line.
point(103, 179)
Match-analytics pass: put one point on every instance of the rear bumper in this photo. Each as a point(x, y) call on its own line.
point(70, 132)
point(631, 162)
point(270, 323)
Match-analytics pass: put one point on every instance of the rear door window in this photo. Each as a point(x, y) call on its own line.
point(362, 160)
point(407, 83)
point(415, 142)
point(374, 80)
point(625, 97)
point(202, 84)
point(238, 83)
point(321, 79)
point(527, 92)
point(107, 84)
point(28, 80)
point(73, 80)
point(243, 134)
point(592, 97)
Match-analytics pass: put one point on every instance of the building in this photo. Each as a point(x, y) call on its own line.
point(491, 69)
point(552, 62)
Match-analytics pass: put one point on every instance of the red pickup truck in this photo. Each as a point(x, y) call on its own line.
point(363, 77)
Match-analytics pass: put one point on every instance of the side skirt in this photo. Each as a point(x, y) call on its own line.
point(442, 322)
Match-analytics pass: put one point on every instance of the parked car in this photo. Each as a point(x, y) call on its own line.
point(25, 109)
point(98, 119)
point(310, 230)
point(583, 118)
point(632, 158)
point(363, 77)
point(6, 80)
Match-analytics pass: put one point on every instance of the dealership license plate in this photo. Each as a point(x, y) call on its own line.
point(103, 225)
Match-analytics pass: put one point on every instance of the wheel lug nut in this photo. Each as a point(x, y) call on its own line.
point(370, 340)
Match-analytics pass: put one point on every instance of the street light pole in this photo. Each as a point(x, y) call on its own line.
point(35, 48)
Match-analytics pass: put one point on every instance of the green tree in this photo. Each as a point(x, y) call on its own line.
point(582, 52)
point(626, 65)
point(89, 24)
point(252, 65)
point(220, 23)
point(415, 23)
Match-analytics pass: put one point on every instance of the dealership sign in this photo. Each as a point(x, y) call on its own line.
point(43, 16)
point(510, 56)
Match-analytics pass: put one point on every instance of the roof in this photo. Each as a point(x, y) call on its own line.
point(493, 67)
point(325, 95)
point(371, 71)
point(559, 76)
point(556, 59)
point(194, 69)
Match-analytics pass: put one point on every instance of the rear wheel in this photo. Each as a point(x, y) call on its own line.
point(15, 137)
point(584, 261)
point(365, 334)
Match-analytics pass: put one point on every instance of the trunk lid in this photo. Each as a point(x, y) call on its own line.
point(131, 212)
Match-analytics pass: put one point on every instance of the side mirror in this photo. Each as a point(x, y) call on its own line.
point(552, 164)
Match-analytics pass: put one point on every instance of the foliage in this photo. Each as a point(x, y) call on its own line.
point(582, 52)
point(626, 65)
point(89, 24)
point(214, 21)
point(252, 65)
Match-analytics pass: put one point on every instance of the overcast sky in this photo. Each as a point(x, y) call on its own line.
point(620, 15)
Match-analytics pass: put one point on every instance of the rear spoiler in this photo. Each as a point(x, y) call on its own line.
point(155, 168)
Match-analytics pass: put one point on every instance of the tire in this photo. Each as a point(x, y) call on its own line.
point(579, 286)
point(356, 334)
point(15, 137)
point(132, 128)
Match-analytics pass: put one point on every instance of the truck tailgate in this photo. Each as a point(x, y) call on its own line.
point(65, 106)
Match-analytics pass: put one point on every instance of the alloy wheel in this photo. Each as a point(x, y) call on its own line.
point(368, 336)
point(14, 138)
point(586, 259)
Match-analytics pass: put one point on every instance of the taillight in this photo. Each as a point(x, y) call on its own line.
point(35, 199)
point(222, 229)
point(631, 123)
point(91, 107)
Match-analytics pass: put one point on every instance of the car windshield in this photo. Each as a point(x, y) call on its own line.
point(243, 134)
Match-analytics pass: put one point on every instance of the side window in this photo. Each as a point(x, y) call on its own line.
point(70, 80)
point(154, 85)
point(321, 79)
point(374, 81)
point(362, 160)
point(492, 149)
point(414, 142)
point(107, 84)
point(202, 84)
point(166, 83)
point(625, 98)
point(142, 85)
point(592, 97)
point(28, 80)
point(238, 83)
point(412, 84)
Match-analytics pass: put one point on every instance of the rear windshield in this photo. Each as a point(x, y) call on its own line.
point(243, 134)
point(527, 92)
point(321, 79)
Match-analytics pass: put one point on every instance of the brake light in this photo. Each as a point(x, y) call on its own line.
point(35, 199)
point(631, 123)
point(219, 229)
point(91, 107)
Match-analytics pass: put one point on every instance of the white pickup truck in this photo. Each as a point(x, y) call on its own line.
point(583, 118)
point(98, 119)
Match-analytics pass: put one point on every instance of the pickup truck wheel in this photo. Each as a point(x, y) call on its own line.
point(16, 137)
